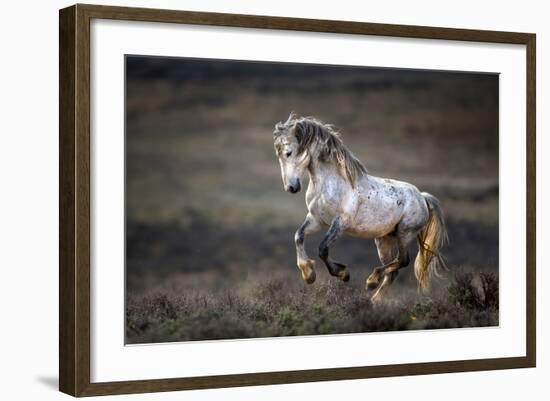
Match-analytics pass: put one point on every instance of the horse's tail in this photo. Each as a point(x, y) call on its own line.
point(432, 237)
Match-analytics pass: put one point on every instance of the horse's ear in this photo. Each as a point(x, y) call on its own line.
point(292, 116)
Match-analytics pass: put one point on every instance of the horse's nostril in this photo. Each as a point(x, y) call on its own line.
point(293, 188)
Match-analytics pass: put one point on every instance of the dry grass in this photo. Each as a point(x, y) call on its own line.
point(283, 307)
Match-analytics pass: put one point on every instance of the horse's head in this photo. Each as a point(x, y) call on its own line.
point(293, 159)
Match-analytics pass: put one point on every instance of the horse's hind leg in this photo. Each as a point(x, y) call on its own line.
point(394, 250)
point(387, 252)
point(335, 269)
point(305, 264)
point(386, 282)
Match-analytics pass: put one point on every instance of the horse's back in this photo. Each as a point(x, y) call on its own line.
point(384, 203)
point(415, 210)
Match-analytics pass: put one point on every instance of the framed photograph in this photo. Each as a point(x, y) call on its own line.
point(250, 200)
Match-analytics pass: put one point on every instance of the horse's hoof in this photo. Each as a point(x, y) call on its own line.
point(308, 271)
point(344, 276)
point(372, 283)
point(376, 299)
point(310, 279)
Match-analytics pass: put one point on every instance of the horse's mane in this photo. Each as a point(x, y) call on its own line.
point(324, 143)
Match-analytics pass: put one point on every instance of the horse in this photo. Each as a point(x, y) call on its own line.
point(344, 198)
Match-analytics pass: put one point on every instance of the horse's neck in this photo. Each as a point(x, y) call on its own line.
point(320, 173)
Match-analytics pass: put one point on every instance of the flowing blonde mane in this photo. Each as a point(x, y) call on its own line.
point(323, 142)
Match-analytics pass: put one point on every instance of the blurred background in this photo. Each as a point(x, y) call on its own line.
point(209, 247)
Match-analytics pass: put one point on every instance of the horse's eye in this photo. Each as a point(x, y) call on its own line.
point(288, 154)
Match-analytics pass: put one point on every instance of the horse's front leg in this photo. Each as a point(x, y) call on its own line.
point(305, 264)
point(336, 269)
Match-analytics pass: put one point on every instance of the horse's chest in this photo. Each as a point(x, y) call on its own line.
point(324, 210)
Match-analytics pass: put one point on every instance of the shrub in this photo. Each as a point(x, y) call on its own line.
point(463, 293)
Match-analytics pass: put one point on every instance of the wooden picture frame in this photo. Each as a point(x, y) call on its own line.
point(74, 205)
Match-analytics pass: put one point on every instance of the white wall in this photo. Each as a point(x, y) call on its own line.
point(29, 182)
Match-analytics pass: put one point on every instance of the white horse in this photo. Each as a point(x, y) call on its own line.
point(347, 200)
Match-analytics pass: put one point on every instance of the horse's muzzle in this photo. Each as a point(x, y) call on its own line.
point(294, 187)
